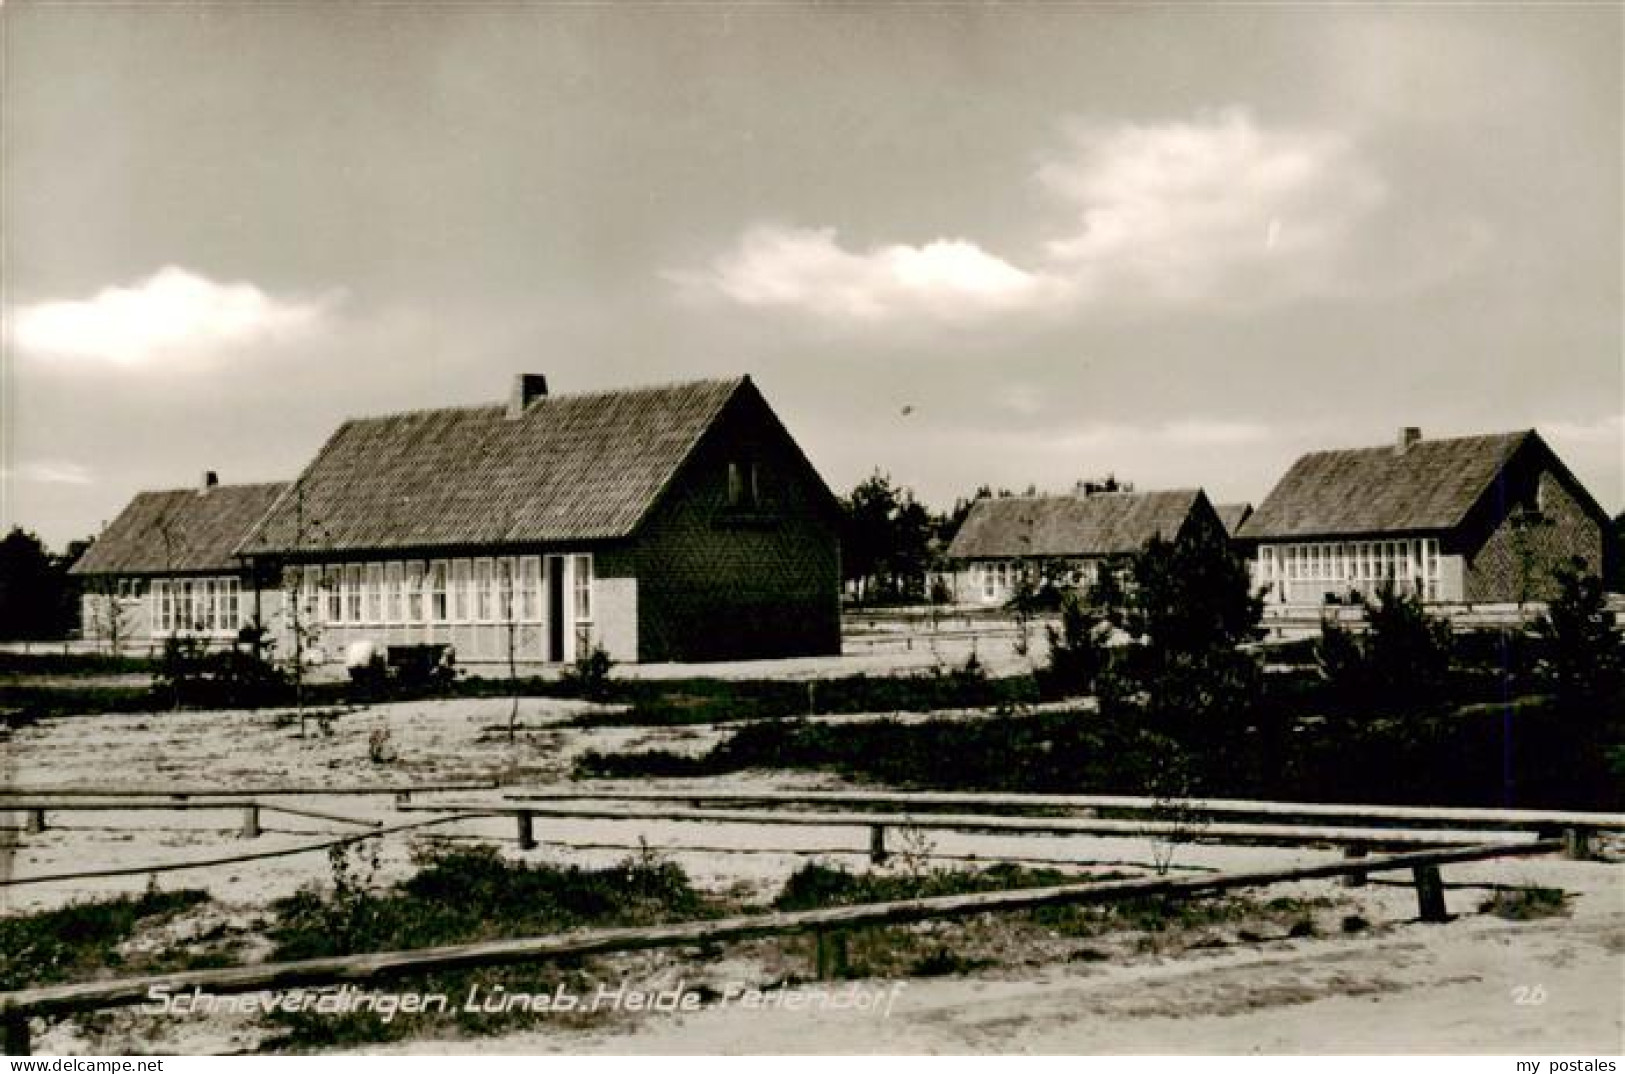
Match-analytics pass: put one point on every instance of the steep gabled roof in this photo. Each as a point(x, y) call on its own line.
point(1100, 524)
point(1430, 486)
point(570, 468)
point(1233, 515)
point(179, 530)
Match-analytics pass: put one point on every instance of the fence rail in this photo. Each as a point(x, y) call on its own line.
point(16, 1008)
point(879, 823)
point(1444, 816)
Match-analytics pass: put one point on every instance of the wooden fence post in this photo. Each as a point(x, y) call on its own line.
point(877, 844)
point(16, 1034)
point(831, 956)
point(527, 835)
point(36, 822)
point(1430, 894)
point(251, 821)
point(1351, 851)
point(1577, 844)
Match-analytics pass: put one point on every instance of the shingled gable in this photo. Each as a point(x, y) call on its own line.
point(179, 531)
point(1428, 487)
point(568, 468)
point(1100, 524)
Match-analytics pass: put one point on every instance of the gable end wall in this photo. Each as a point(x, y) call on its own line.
point(717, 583)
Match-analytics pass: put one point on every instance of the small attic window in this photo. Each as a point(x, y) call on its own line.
point(744, 484)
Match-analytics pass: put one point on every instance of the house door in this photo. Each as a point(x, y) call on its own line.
point(555, 609)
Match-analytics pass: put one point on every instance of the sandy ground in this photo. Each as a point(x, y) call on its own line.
point(1402, 986)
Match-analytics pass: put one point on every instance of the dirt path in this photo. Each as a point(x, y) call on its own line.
point(1451, 988)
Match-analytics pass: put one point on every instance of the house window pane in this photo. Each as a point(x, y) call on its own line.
point(332, 593)
point(353, 592)
point(530, 589)
point(482, 590)
point(437, 592)
point(375, 593)
point(414, 592)
point(459, 591)
point(583, 588)
point(392, 593)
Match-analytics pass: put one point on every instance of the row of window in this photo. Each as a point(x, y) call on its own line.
point(1351, 561)
point(198, 605)
point(998, 580)
point(499, 589)
point(488, 590)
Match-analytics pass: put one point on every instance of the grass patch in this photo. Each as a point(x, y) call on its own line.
point(465, 895)
point(1525, 904)
point(78, 941)
point(703, 701)
point(1454, 758)
point(816, 885)
point(14, 663)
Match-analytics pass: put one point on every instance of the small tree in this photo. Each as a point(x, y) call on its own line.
point(507, 609)
point(1190, 605)
point(109, 617)
point(1403, 660)
point(1580, 653)
point(1078, 653)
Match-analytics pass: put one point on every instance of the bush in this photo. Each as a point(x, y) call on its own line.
point(589, 676)
point(243, 676)
point(1400, 664)
point(78, 941)
point(1077, 651)
point(1579, 644)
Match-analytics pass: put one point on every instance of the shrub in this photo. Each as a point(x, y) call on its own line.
point(79, 940)
point(1579, 644)
point(589, 676)
point(1401, 663)
point(1525, 904)
point(1077, 651)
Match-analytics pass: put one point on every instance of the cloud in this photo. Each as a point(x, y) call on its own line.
point(1219, 206)
point(1217, 209)
point(173, 313)
point(51, 472)
point(807, 268)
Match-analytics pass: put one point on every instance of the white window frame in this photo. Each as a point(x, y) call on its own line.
point(530, 589)
point(484, 591)
point(394, 598)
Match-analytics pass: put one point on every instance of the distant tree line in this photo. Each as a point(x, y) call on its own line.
point(38, 600)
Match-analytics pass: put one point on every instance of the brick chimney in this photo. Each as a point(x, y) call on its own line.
point(1409, 435)
point(210, 480)
point(527, 388)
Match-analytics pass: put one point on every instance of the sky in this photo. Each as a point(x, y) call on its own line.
point(1013, 245)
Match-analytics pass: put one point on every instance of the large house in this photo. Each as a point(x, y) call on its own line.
point(673, 523)
point(167, 564)
point(1475, 519)
point(1005, 539)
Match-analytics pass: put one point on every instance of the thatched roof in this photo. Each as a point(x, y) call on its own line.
point(1232, 515)
point(1100, 524)
point(569, 468)
point(1428, 487)
point(179, 530)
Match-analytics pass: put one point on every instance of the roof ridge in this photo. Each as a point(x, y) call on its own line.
point(596, 393)
point(212, 488)
point(1511, 434)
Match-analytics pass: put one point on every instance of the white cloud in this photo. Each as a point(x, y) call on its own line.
point(50, 472)
point(1216, 207)
point(1608, 429)
point(173, 313)
point(807, 268)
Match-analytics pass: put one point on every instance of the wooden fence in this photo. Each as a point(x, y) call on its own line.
point(17, 1008)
